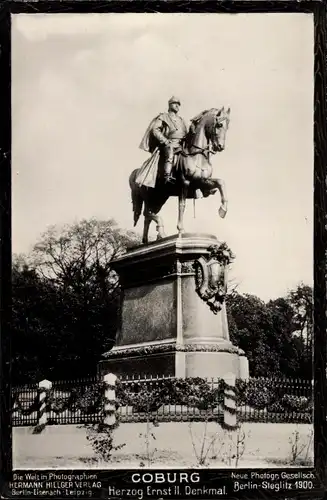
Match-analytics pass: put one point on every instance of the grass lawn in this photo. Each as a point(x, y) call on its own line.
point(66, 446)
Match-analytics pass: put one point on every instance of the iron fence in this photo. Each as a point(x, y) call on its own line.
point(25, 406)
point(168, 405)
point(166, 399)
point(75, 402)
point(277, 400)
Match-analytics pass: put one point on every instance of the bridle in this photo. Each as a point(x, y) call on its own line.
point(207, 151)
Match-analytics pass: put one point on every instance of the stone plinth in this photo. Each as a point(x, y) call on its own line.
point(166, 328)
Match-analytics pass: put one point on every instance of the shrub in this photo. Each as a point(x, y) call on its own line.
point(102, 441)
point(255, 393)
point(258, 397)
point(150, 396)
point(276, 407)
point(295, 403)
point(91, 400)
point(143, 397)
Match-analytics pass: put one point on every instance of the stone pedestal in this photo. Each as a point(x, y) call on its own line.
point(166, 328)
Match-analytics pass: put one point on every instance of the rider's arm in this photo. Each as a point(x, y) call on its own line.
point(157, 132)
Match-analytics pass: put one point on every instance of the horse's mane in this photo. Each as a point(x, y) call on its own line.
point(195, 122)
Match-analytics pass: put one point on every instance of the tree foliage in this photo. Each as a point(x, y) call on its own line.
point(269, 332)
point(66, 298)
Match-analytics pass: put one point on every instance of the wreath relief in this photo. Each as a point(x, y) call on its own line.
point(211, 275)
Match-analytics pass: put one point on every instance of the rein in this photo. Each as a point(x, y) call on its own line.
point(204, 151)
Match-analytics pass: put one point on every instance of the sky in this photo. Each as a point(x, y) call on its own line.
point(86, 86)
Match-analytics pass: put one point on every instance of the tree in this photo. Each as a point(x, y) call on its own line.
point(32, 322)
point(301, 302)
point(76, 307)
point(270, 333)
point(285, 343)
point(281, 330)
point(75, 256)
point(250, 325)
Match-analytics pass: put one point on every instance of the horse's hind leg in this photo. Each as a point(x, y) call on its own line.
point(155, 205)
point(151, 210)
point(160, 227)
point(147, 222)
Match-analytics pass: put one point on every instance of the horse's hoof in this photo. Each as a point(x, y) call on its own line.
point(222, 212)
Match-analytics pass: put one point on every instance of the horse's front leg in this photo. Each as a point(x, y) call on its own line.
point(224, 202)
point(181, 210)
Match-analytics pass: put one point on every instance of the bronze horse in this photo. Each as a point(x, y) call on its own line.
point(193, 172)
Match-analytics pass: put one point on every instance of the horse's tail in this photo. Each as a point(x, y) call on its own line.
point(137, 199)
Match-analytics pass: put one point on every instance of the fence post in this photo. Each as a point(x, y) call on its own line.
point(44, 388)
point(110, 398)
point(230, 417)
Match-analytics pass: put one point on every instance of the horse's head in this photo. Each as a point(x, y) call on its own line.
point(216, 128)
point(214, 124)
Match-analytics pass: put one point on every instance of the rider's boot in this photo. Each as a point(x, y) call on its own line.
point(168, 178)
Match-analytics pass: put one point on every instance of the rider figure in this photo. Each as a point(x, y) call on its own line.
point(169, 130)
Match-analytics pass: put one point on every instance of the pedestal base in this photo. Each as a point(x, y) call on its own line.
point(171, 359)
point(167, 325)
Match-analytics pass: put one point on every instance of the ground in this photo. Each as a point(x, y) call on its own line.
point(66, 446)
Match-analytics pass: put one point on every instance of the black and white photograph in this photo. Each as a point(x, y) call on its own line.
point(162, 241)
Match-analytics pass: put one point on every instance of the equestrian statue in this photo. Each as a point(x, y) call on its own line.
point(179, 165)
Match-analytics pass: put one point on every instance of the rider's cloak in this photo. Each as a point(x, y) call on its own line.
point(147, 175)
point(149, 142)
